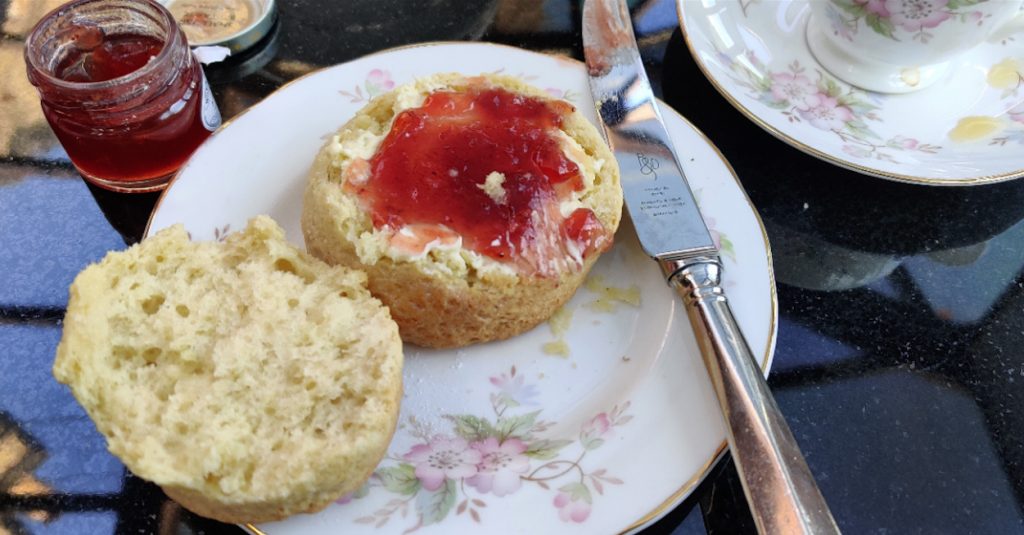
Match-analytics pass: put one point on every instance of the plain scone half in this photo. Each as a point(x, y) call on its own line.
point(476, 205)
point(248, 379)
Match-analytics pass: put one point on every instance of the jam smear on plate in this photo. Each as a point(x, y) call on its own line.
point(436, 167)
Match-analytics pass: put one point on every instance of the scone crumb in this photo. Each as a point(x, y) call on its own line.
point(494, 187)
point(557, 348)
point(609, 296)
point(561, 320)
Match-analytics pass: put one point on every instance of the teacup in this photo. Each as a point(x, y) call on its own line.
point(898, 46)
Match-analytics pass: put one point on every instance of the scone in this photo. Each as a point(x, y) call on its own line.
point(476, 205)
point(247, 379)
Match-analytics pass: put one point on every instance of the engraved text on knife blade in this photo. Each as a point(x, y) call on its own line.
point(660, 203)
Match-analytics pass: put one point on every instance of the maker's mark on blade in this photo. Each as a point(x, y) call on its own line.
point(608, 32)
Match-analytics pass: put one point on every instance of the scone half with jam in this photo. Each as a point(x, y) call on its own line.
point(476, 205)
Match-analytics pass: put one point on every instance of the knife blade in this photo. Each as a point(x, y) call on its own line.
point(779, 486)
point(661, 205)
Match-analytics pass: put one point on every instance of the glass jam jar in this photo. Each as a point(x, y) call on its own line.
point(121, 90)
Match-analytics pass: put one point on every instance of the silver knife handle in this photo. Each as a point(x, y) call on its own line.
point(779, 487)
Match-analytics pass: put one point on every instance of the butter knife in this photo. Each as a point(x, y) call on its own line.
point(780, 489)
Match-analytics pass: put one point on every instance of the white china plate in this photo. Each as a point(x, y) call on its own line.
point(755, 53)
point(606, 439)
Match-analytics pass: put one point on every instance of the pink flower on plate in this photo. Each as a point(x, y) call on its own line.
point(799, 90)
point(595, 430)
point(902, 142)
point(826, 113)
point(916, 15)
point(443, 458)
point(598, 425)
point(874, 6)
point(514, 388)
point(500, 467)
point(379, 81)
point(571, 507)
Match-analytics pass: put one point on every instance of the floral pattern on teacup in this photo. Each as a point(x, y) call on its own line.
point(888, 17)
point(822, 102)
point(484, 458)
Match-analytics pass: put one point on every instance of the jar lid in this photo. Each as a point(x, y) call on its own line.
point(235, 24)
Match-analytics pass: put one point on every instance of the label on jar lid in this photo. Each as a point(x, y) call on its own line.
point(211, 21)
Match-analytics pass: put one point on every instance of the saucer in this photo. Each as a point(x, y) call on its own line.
point(966, 129)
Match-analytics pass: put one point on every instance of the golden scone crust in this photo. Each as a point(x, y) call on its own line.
point(248, 379)
point(448, 300)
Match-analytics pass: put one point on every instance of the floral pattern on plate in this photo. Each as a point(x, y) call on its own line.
point(1008, 76)
point(824, 103)
point(493, 456)
point(377, 81)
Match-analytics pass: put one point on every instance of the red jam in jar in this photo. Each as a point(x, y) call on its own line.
point(121, 90)
point(433, 167)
